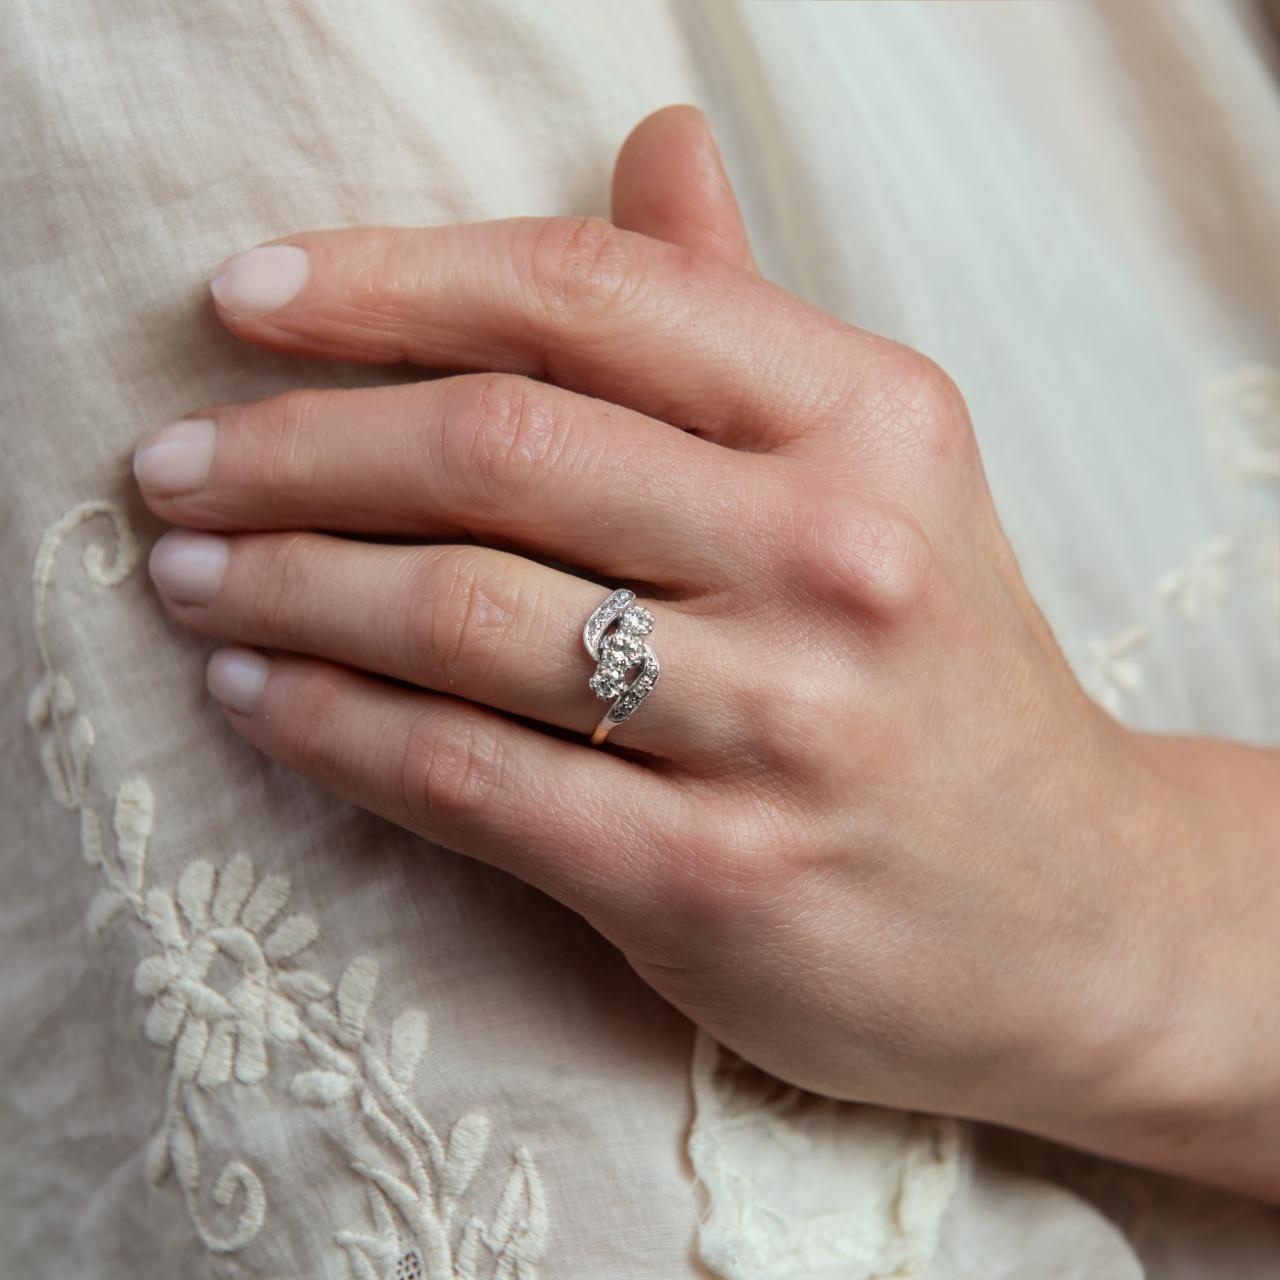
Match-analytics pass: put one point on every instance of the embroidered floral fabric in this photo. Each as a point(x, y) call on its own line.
point(250, 1032)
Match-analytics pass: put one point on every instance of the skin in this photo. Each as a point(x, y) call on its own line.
point(868, 830)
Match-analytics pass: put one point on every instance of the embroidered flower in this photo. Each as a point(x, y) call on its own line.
point(220, 1016)
point(1196, 589)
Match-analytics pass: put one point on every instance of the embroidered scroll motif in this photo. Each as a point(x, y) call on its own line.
point(230, 1021)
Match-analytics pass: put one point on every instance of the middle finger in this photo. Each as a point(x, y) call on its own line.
point(493, 457)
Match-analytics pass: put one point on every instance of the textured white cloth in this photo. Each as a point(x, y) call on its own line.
point(345, 1053)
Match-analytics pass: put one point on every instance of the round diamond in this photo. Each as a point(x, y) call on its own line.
point(636, 620)
point(626, 648)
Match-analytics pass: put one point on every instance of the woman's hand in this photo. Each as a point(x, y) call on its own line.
point(867, 830)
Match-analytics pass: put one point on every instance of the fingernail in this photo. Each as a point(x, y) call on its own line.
point(235, 677)
point(261, 280)
point(177, 458)
point(188, 567)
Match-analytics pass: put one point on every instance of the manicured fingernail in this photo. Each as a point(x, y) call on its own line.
point(236, 678)
point(188, 567)
point(177, 458)
point(260, 281)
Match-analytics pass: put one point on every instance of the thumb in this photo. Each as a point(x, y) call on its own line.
point(670, 183)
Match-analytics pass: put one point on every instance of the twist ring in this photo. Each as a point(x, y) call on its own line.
point(617, 652)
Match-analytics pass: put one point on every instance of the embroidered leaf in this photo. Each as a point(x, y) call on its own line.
point(320, 1088)
point(156, 1164)
point(266, 903)
point(134, 816)
point(251, 1054)
point(468, 1140)
point(249, 1000)
point(162, 919)
point(204, 1001)
point(469, 1249)
point(153, 974)
point(356, 990)
point(38, 705)
point(80, 744)
point(1126, 675)
point(64, 697)
point(361, 1267)
point(235, 882)
point(90, 837)
point(52, 763)
point(164, 1018)
point(293, 935)
point(106, 905)
point(515, 1234)
point(195, 889)
point(302, 984)
point(536, 1221)
point(191, 1046)
point(182, 1149)
point(239, 945)
point(215, 1069)
point(408, 1043)
point(283, 1022)
point(200, 955)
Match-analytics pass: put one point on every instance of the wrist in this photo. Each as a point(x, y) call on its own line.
point(1187, 1077)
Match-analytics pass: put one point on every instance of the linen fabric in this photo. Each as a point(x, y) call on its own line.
point(250, 1031)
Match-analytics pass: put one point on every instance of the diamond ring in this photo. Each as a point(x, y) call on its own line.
point(617, 652)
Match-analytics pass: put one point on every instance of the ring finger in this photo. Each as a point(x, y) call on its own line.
point(483, 624)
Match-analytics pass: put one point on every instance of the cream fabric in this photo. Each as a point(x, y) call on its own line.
point(346, 1053)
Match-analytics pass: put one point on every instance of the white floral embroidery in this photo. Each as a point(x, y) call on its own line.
point(1111, 673)
point(874, 1191)
point(221, 1030)
point(1242, 424)
point(1198, 587)
point(1242, 419)
point(415, 1181)
point(224, 1032)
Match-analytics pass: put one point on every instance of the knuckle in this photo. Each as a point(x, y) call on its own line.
point(282, 427)
point(784, 720)
point(582, 267)
point(500, 434)
point(314, 730)
point(460, 621)
point(934, 399)
point(730, 870)
point(452, 767)
point(697, 882)
point(910, 407)
point(281, 582)
point(860, 559)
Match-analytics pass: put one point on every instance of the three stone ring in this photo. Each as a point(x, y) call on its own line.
point(614, 636)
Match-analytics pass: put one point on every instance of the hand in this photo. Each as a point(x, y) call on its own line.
point(867, 830)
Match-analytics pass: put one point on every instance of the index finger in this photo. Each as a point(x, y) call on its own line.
point(656, 327)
